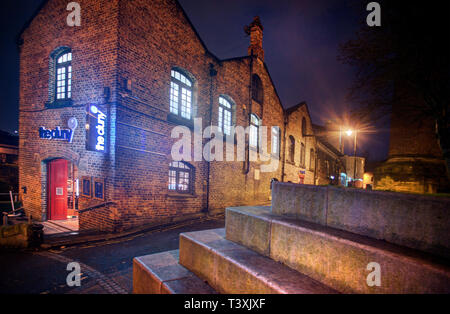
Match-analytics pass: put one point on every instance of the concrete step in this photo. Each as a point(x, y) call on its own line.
point(233, 269)
point(337, 258)
point(161, 274)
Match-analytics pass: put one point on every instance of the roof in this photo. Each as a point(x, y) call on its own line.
point(7, 138)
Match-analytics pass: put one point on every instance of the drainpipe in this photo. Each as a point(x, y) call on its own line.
point(285, 118)
point(250, 93)
point(212, 74)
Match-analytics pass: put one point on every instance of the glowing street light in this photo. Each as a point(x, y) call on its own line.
point(349, 133)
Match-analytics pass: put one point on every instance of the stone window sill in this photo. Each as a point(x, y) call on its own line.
point(179, 120)
point(59, 104)
point(180, 195)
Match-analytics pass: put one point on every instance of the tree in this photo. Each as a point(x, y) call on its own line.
point(405, 62)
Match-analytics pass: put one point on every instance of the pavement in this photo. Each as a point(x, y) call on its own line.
point(106, 266)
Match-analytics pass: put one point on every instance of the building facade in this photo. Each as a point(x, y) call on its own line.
point(104, 106)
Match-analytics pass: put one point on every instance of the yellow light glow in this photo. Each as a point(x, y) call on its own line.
point(349, 132)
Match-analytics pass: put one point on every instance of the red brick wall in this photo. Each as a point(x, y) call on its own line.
point(94, 47)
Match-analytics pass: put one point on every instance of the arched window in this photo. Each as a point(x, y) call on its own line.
point(257, 89)
point(63, 75)
point(302, 155)
point(276, 141)
point(254, 131)
point(181, 97)
point(291, 148)
point(180, 177)
point(311, 159)
point(303, 127)
point(225, 115)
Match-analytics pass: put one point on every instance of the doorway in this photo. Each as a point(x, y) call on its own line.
point(62, 190)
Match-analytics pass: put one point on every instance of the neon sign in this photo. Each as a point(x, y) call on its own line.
point(58, 133)
point(96, 129)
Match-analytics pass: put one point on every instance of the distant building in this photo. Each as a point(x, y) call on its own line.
point(330, 166)
point(352, 175)
point(9, 161)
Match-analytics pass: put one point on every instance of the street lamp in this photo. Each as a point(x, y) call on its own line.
point(349, 133)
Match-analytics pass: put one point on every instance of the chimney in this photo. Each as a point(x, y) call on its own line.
point(255, 31)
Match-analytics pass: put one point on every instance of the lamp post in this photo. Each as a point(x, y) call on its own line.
point(349, 133)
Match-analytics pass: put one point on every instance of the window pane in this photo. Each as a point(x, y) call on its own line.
point(186, 99)
point(253, 136)
point(172, 180)
point(174, 90)
point(183, 181)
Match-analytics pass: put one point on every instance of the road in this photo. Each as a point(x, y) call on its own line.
point(106, 267)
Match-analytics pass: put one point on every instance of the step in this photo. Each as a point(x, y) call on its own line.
point(233, 269)
point(161, 274)
point(334, 257)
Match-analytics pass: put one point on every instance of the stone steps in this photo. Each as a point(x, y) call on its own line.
point(233, 269)
point(161, 274)
point(336, 258)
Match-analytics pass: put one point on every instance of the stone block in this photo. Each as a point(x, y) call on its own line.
point(307, 202)
point(251, 233)
point(340, 259)
point(161, 274)
point(233, 269)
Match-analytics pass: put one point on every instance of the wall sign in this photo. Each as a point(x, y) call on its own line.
point(58, 133)
point(96, 129)
point(86, 186)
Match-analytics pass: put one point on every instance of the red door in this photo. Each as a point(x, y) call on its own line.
point(57, 176)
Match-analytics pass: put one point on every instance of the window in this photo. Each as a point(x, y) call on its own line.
point(180, 177)
point(181, 95)
point(257, 89)
point(302, 155)
point(254, 131)
point(63, 75)
point(291, 148)
point(311, 159)
point(275, 141)
point(225, 116)
point(303, 127)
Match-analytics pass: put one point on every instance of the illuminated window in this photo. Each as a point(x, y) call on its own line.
point(291, 148)
point(257, 89)
point(275, 141)
point(225, 116)
point(63, 75)
point(254, 131)
point(180, 95)
point(180, 177)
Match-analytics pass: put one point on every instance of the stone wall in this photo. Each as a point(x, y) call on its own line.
point(415, 221)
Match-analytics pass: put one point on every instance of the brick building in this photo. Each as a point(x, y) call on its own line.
point(99, 102)
point(9, 151)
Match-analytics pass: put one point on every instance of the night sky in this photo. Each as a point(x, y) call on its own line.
point(301, 39)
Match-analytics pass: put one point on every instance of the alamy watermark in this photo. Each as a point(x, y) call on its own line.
point(235, 143)
point(374, 278)
point(73, 279)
